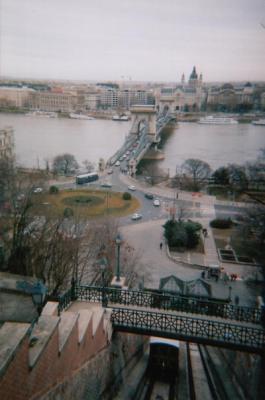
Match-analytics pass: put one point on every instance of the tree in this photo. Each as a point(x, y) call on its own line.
point(249, 238)
point(64, 164)
point(153, 174)
point(182, 234)
point(7, 179)
point(221, 176)
point(89, 166)
point(53, 189)
point(237, 176)
point(197, 170)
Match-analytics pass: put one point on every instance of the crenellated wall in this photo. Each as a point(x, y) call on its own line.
point(33, 362)
point(69, 357)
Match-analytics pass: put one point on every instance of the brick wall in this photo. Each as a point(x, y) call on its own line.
point(87, 370)
point(13, 385)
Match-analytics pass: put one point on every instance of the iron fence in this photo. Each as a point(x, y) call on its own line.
point(140, 298)
point(235, 336)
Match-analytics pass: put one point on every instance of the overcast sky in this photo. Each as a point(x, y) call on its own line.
point(138, 39)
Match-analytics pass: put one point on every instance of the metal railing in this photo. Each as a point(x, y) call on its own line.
point(198, 330)
point(149, 299)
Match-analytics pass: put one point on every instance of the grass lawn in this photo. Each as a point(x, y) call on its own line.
point(198, 249)
point(84, 203)
point(222, 236)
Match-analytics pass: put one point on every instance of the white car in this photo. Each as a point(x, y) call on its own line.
point(106, 184)
point(156, 203)
point(131, 187)
point(38, 190)
point(136, 216)
point(117, 164)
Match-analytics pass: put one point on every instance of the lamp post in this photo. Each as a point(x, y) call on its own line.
point(230, 292)
point(103, 266)
point(118, 243)
point(37, 291)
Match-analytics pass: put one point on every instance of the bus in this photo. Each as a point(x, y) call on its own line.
point(86, 178)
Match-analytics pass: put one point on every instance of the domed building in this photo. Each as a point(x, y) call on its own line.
point(230, 98)
point(184, 97)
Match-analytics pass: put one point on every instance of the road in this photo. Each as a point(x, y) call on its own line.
point(146, 234)
point(187, 205)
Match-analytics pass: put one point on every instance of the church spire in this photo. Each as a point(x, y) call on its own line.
point(193, 75)
point(182, 79)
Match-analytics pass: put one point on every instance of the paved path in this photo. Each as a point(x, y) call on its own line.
point(146, 236)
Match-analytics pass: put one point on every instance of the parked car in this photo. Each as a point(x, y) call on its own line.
point(110, 171)
point(131, 187)
point(136, 216)
point(156, 203)
point(149, 196)
point(117, 164)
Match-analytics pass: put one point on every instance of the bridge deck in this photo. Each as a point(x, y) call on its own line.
point(237, 336)
point(190, 315)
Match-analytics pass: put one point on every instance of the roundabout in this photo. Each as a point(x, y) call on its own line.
point(85, 203)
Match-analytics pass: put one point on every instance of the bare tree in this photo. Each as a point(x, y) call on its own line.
point(250, 234)
point(197, 171)
point(89, 166)
point(64, 164)
point(153, 174)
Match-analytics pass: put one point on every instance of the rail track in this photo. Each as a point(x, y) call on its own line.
point(210, 376)
point(205, 375)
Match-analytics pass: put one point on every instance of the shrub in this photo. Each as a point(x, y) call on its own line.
point(53, 189)
point(68, 212)
point(220, 223)
point(181, 234)
point(126, 196)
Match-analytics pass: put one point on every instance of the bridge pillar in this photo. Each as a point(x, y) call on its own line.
point(147, 115)
point(132, 167)
point(167, 104)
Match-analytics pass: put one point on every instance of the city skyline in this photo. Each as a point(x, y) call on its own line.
point(132, 40)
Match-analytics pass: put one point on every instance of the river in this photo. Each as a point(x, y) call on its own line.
point(38, 139)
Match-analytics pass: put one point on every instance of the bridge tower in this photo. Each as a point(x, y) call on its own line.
point(147, 115)
point(167, 104)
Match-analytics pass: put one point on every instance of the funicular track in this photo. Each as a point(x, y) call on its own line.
point(210, 377)
point(154, 389)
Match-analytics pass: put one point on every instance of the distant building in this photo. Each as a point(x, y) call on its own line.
point(263, 101)
point(124, 98)
point(188, 96)
point(108, 98)
point(92, 101)
point(53, 101)
point(231, 98)
point(6, 142)
point(14, 96)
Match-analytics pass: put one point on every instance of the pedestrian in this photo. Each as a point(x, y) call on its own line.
point(236, 300)
point(161, 246)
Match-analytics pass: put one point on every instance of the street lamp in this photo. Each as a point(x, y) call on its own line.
point(37, 290)
point(230, 292)
point(103, 266)
point(118, 243)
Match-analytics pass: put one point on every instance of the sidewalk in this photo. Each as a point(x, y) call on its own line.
point(182, 195)
point(189, 265)
point(168, 192)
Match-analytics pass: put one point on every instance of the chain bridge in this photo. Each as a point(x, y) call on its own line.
point(145, 134)
point(182, 318)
